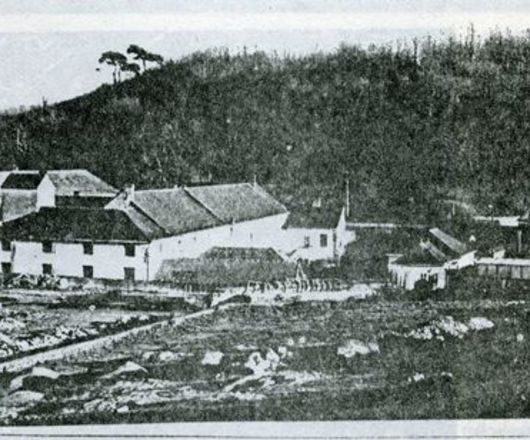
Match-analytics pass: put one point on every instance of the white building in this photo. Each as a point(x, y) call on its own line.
point(25, 191)
point(437, 256)
point(317, 233)
point(139, 230)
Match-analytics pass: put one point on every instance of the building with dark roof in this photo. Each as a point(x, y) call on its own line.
point(316, 233)
point(89, 243)
point(132, 236)
point(23, 192)
point(430, 262)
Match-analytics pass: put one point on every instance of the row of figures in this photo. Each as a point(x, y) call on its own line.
point(296, 285)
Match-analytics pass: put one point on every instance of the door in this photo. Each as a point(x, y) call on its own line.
point(129, 273)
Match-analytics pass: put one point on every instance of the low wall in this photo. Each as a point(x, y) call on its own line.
point(87, 346)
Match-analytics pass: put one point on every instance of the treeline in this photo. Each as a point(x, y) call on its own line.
point(406, 125)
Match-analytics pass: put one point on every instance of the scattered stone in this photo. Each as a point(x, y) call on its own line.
point(44, 372)
point(354, 347)
point(520, 337)
point(480, 323)
point(128, 367)
point(166, 356)
point(212, 358)
point(23, 398)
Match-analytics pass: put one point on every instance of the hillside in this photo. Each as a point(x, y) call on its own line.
point(405, 125)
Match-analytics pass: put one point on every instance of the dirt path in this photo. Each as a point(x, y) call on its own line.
point(94, 344)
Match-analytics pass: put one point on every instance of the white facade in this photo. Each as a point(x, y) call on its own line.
point(107, 261)
point(258, 233)
point(407, 276)
point(45, 193)
point(315, 244)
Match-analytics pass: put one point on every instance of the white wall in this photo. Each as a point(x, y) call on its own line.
point(264, 232)
point(68, 259)
point(45, 193)
point(465, 260)
point(109, 260)
point(292, 242)
point(407, 276)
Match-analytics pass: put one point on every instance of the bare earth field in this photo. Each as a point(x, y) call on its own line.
point(370, 359)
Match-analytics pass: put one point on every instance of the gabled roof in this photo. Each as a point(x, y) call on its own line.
point(69, 182)
point(174, 210)
point(326, 217)
point(431, 249)
point(15, 204)
point(28, 180)
point(70, 225)
point(242, 253)
point(236, 202)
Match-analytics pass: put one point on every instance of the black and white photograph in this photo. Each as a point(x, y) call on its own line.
point(227, 219)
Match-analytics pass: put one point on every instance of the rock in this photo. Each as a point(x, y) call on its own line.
point(23, 398)
point(128, 367)
point(165, 356)
point(261, 366)
point(212, 358)
point(44, 372)
point(354, 347)
point(480, 323)
point(17, 382)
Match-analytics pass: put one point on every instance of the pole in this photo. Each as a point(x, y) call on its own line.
point(347, 198)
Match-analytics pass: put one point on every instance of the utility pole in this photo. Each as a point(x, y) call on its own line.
point(347, 197)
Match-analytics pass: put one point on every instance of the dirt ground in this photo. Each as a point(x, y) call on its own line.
point(369, 359)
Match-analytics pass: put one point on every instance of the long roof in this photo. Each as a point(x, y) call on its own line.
point(70, 225)
point(326, 217)
point(67, 182)
point(236, 202)
point(174, 211)
point(70, 182)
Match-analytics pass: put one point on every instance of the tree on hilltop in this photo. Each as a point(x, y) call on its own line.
point(116, 60)
point(140, 54)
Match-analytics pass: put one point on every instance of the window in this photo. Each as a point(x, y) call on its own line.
point(128, 273)
point(307, 241)
point(6, 268)
point(47, 269)
point(129, 250)
point(47, 247)
point(323, 240)
point(88, 271)
point(6, 245)
point(88, 248)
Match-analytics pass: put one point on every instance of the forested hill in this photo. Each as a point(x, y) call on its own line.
point(405, 125)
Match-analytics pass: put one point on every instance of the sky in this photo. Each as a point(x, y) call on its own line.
point(50, 48)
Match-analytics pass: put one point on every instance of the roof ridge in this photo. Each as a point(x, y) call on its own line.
point(206, 207)
point(142, 210)
point(156, 189)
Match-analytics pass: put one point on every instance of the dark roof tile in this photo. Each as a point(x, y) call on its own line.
point(22, 180)
point(66, 225)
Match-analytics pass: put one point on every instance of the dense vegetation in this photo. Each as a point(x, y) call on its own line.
point(404, 124)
